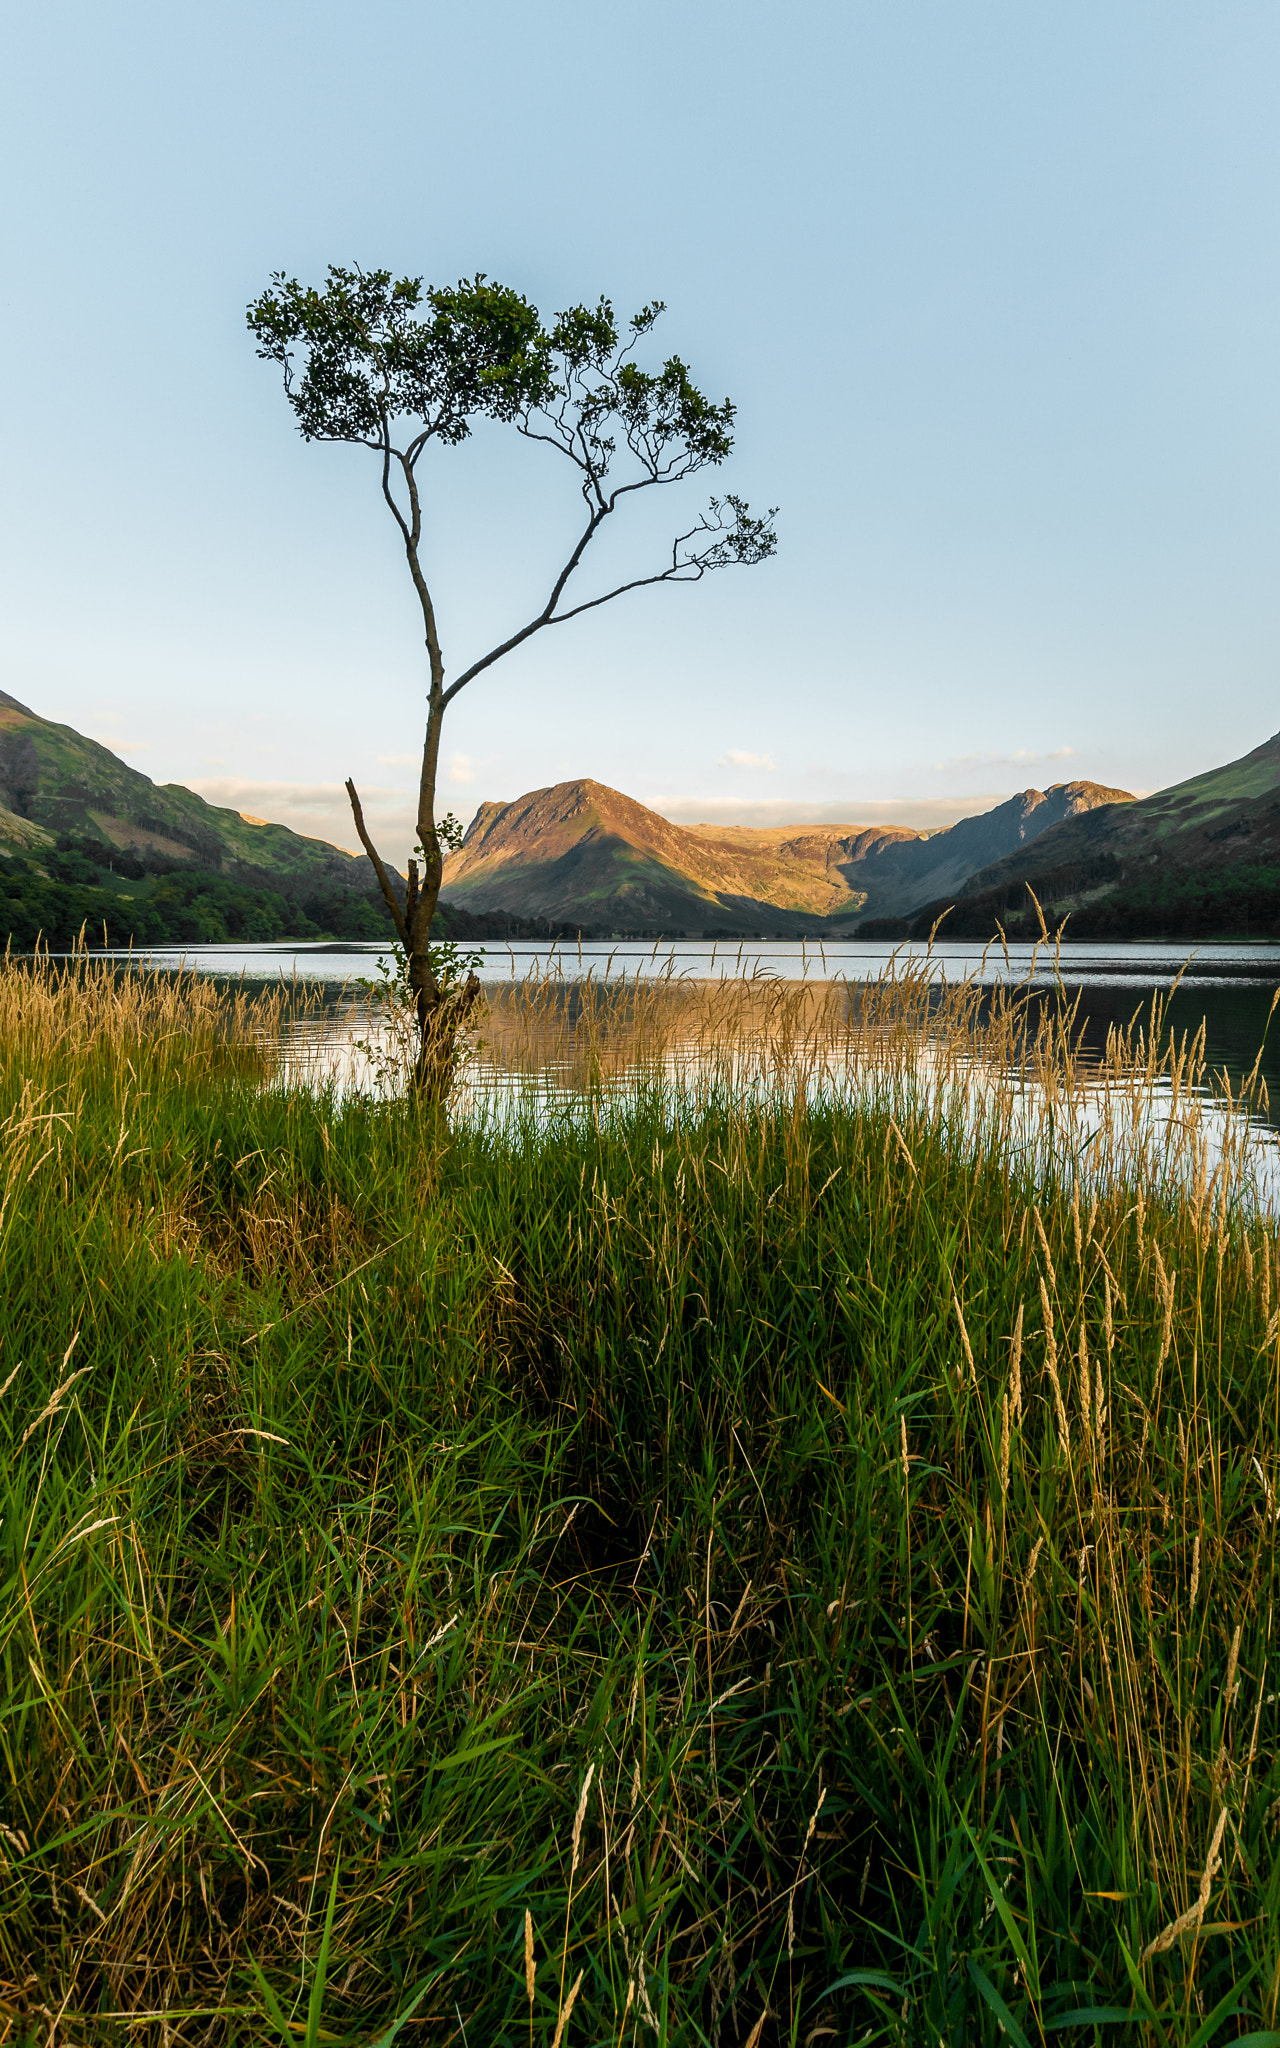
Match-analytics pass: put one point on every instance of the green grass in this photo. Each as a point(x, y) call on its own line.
point(652, 1525)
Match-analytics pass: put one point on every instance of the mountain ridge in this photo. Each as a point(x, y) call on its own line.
point(56, 783)
point(581, 851)
point(1193, 859)
point(1203, 855)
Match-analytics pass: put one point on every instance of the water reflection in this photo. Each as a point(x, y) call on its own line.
point(338, 1036)
point(1131, 1083)
point(565, 1021)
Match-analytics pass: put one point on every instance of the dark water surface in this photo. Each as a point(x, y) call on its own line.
point(1235, 1016)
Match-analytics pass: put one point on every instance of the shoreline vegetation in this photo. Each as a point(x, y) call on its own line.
point(1237, 904)
point(771, 1539)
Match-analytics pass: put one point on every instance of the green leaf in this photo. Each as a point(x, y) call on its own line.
point(871, 1980)
point(315, 2004)
point(385, 2040)
point(1231, 2003)
point(1142, 1995)
point(272, 2003)
point(998, 2006)
point(1001, 1905)
point(1094, 2016)
point(466, 1756)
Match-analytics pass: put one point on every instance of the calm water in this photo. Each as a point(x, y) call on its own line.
point(1146, 965)
point(1230, 987)
point(336, 1037)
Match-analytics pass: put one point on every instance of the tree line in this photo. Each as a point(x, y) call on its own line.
point(51, 897)
point(1240, 901)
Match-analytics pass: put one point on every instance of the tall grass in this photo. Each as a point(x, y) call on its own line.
point(734, 1557)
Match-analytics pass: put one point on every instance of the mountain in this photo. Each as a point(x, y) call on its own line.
point(579, 852)
point(1201, 859)
point(56, 784)
point(584, 853)
point(90, 848)
point(893, 872)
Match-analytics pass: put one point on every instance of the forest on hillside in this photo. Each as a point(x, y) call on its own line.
point(1237, 902)
point(1242, 901)
point(118, 898)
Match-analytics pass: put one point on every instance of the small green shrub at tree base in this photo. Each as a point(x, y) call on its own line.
point(720, 1562)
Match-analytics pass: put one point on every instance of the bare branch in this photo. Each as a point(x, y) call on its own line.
point(544, 618)
point(742, 539)
point(389, 494)
point(397, 915)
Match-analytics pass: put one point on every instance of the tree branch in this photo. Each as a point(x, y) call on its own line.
point(389, 893)
point(754, 541)
point(679, 572)
point(387, 451)
point(544, 618)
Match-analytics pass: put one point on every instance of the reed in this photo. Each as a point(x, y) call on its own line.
point(768, 1534)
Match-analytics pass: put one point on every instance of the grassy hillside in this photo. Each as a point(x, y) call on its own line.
point(51, 896)
point(56, 784)
point(1199, 860)
point(87, 842)
point(582, 852)
point(744, 1565)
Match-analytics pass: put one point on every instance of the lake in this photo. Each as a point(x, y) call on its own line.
point(1229, 986)
point(1144, 964)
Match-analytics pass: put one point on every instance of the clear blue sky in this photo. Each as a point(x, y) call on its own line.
point(996, 288)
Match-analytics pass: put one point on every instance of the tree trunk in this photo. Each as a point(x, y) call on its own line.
point(439, 1012)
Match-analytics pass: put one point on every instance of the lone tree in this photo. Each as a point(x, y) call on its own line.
point(391, 365)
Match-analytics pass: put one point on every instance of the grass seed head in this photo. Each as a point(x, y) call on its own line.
point(1015, 1367)
point(569, 2004)
point(1044, 1246)
point(579, 1817)
point(964, 1340)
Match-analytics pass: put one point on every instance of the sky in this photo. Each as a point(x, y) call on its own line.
point(994, 287)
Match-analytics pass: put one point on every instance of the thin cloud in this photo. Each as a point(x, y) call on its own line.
point(462, 769)
point(927, 814)
point(318, 810)
point(1021, 757)
point(116, 744)
point(293, 796)
point(737, 757)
